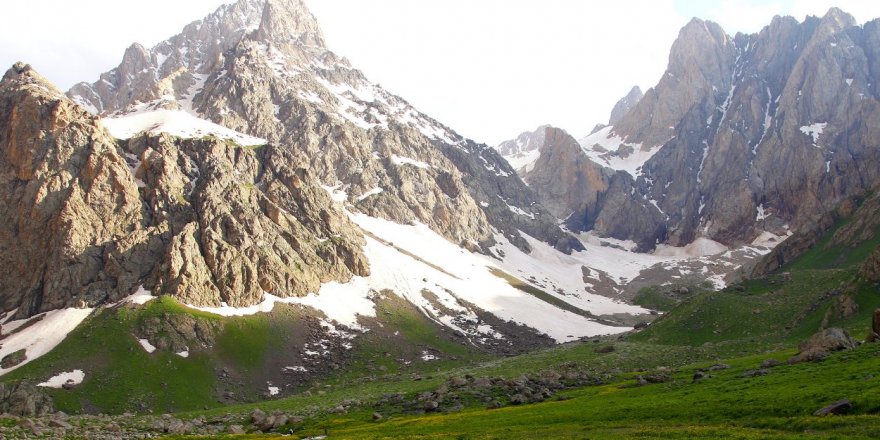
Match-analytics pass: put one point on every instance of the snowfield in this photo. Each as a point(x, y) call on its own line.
point(40, 337)
point(610, 142)
point(174, 122)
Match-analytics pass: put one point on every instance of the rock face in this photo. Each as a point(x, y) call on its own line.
point(564, 178)
point(625, 104)
point(744, 134)
point(277, 80)
point(67, 199)
point(24, 400)
point(87, 219)
point(858, 218)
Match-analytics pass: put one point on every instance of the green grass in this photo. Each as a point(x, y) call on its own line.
point(725, 405)
point(653, 298)
point(120, 375)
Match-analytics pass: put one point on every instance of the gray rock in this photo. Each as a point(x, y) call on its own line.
point(836, 408)
point(821, 344)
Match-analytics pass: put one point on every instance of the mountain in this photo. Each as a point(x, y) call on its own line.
point(625, 105)
point(241, 165)
point(742, 136)
point(524, 149)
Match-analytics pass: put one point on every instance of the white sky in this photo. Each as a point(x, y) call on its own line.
point(488, 68)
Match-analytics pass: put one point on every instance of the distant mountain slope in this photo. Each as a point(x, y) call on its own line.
point(742, 135)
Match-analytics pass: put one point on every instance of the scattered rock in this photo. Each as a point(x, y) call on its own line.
point(836, 408)
point(377, 417)
point(235, 429)
point(59, 423)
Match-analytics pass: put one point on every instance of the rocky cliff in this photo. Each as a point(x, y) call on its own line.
point(627, 103)
point(87, 219)
point(742, 135)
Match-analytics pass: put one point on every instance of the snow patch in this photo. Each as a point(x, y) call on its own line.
point(42, 336)
point(399, 160)
point(74, 377)
point(814, 131)
point(141, 296)
point(174, 122)
point(149, 348)
point(607, 154)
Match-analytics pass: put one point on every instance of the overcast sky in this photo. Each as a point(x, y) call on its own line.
point(488, 68)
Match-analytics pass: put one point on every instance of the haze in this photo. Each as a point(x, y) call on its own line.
point(490, 68)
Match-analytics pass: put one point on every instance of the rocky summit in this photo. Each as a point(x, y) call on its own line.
point(235, 232)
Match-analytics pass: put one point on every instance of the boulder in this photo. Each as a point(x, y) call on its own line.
point(821, 344)
point(836, 408)
point(13, 359)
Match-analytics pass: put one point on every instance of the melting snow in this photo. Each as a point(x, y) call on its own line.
point(149, 348)
point(273, 391)
point(399, 160)
point(762, 213)
point(141, 296)
point(372, 192)
point(74, 377)
point(183, 354)
point(175, 122)
point(814, 131)
point(608, 156)
point(42, 336)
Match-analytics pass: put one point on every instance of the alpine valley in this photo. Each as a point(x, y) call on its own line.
point(236, 234)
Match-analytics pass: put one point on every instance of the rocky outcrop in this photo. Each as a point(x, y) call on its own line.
point(622, 107)
point(822, 344)
point(564, 178)
point(67, 199)
point(24, 400)
point(87, 219)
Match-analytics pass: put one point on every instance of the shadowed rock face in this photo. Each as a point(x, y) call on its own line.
point(87, 219)
point(754, 132)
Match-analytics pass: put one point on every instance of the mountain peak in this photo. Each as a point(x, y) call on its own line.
point(839, 17)
point(289, 21)
point(625, 104)
point(23, 74)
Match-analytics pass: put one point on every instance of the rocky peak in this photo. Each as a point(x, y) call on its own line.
point(835, 20)
point(525, 142)
point(701, 65)
point(624, 105)
point(22, 75)
point(289, 21)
